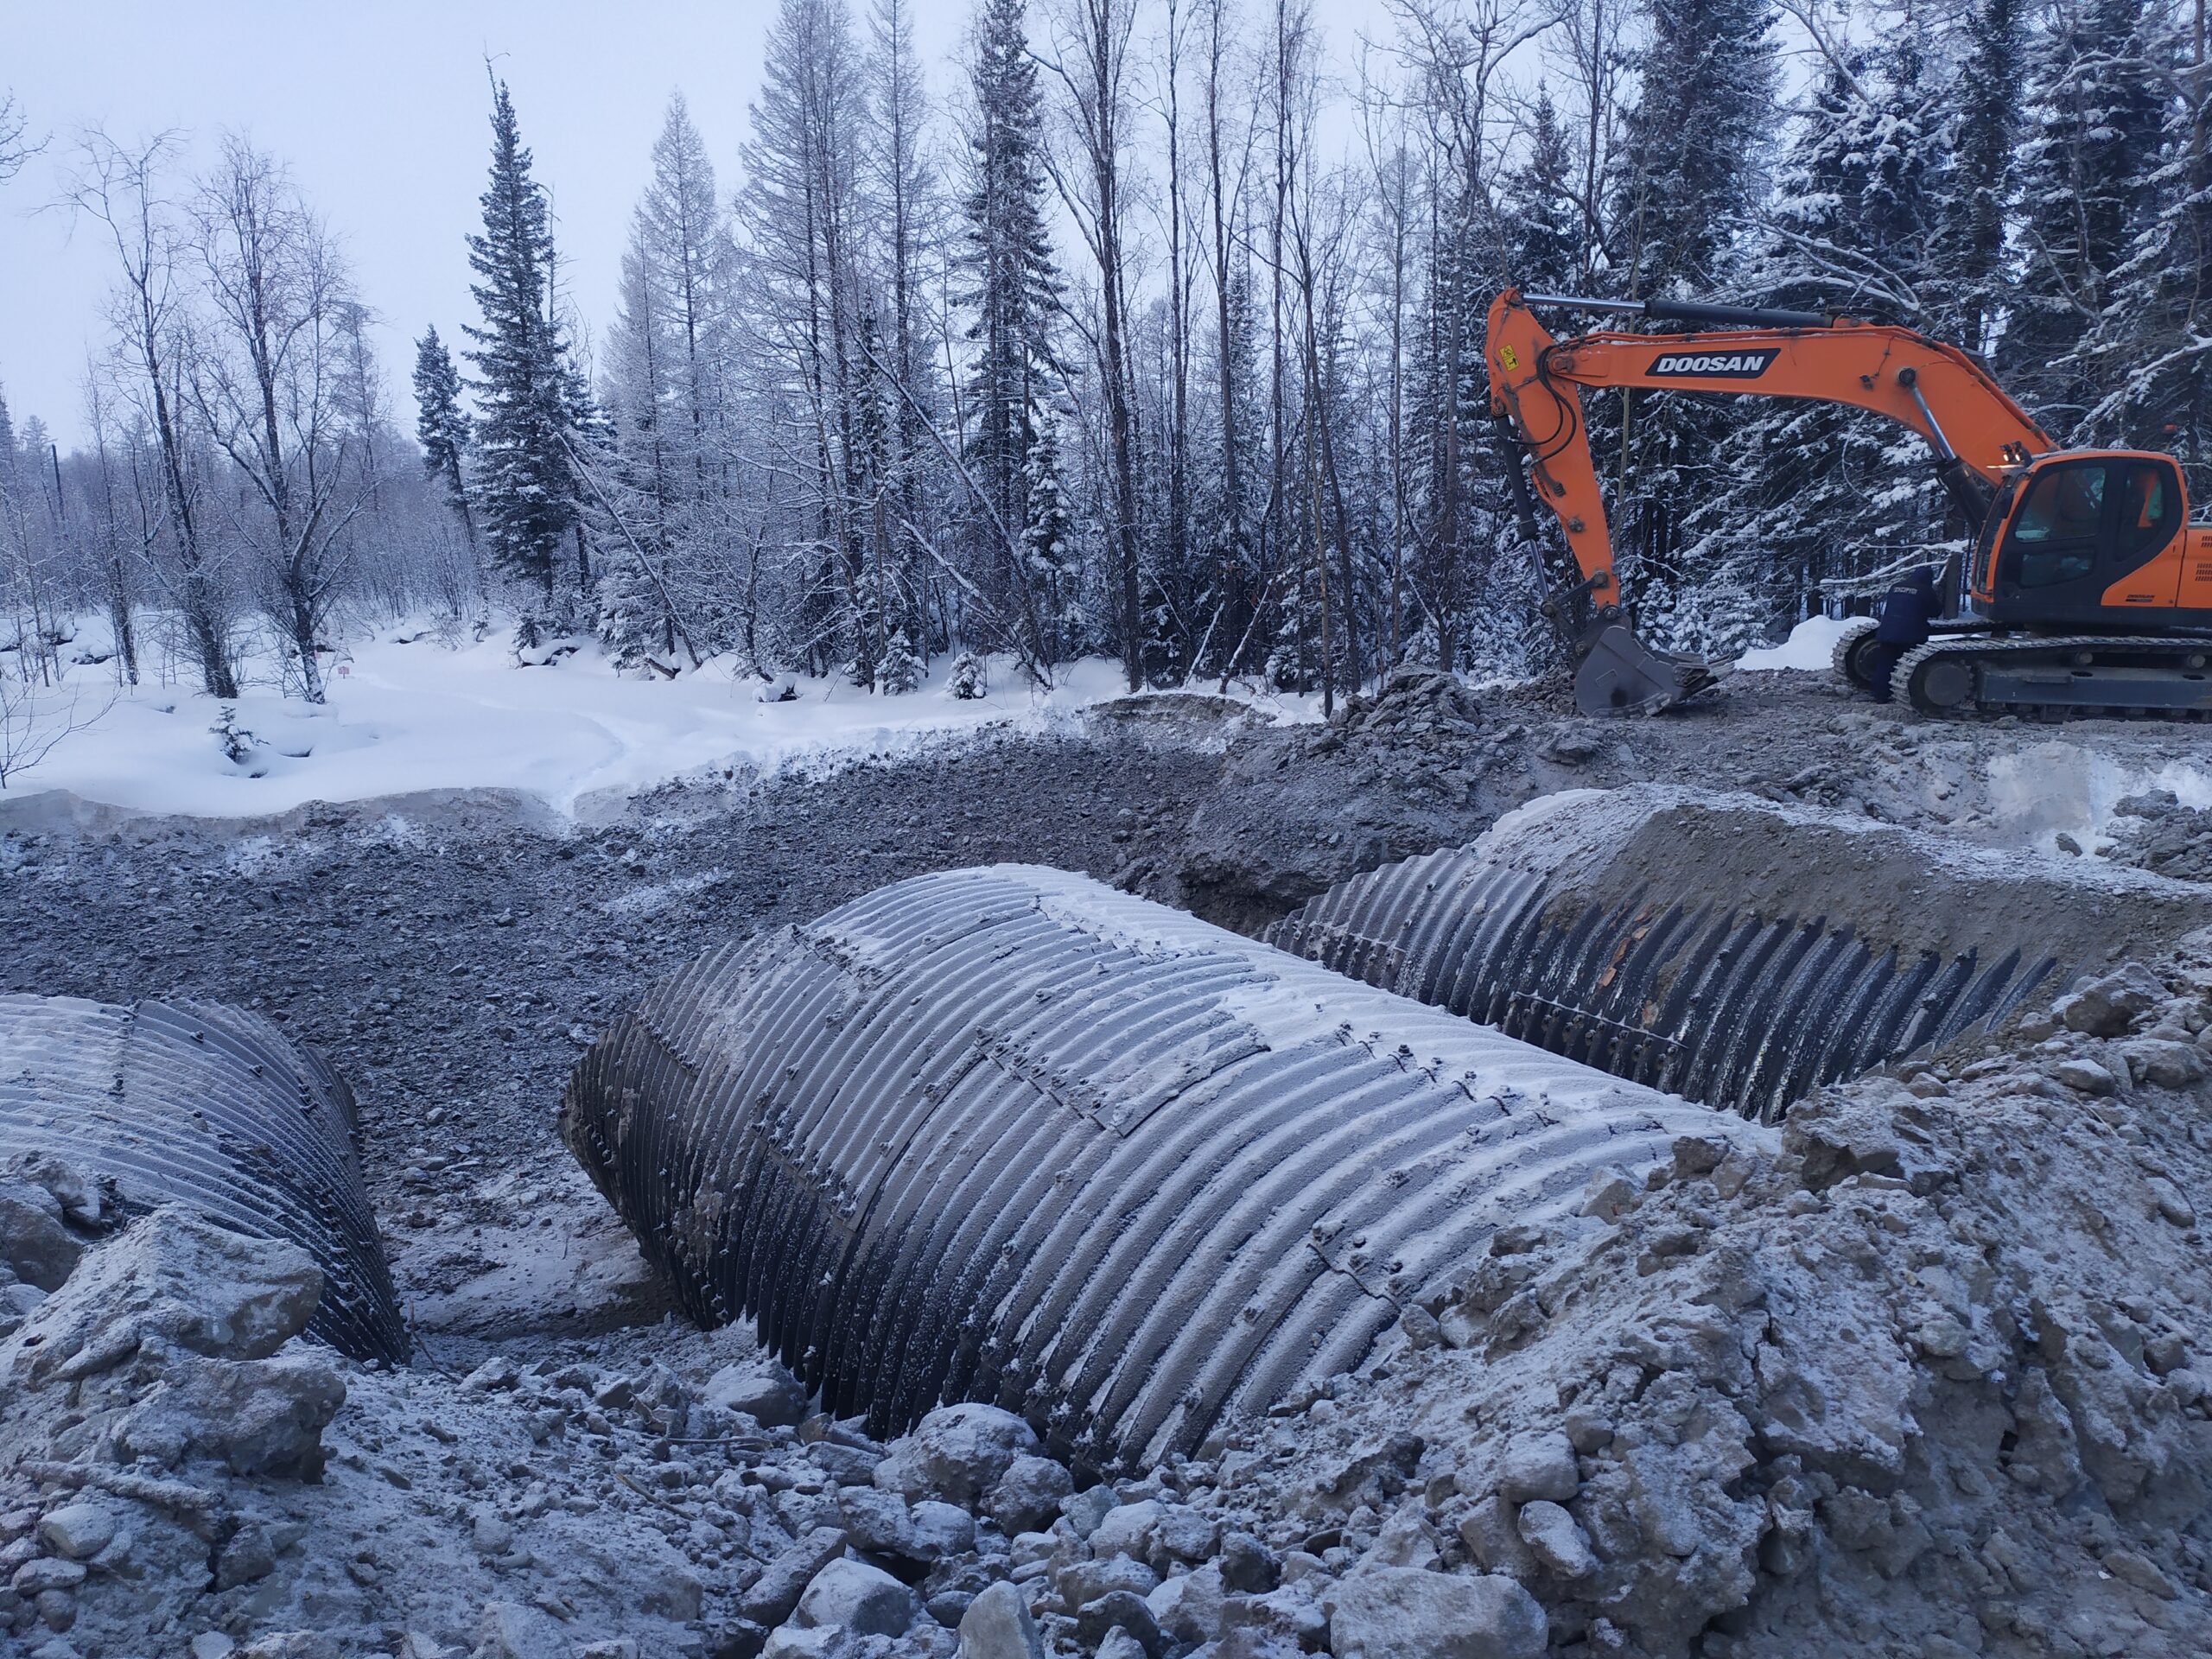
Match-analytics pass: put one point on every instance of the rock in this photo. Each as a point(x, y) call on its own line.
point(957, 1453)
point(1188, 1606)
point(1249, 1567)
point(296, 1644)
point(247, 1559)
point(1698, 1154)
point(997, 1625)
point(2107, 1007)
point(1557, 1539)
point(57, 1609)
point(1126, 1530)
point(506, 1630)
point(1028, 1495)
point(263, 1417)
point(1184, 1535)
point(1081, 1583)
point(850, 1595)
point(174, 1276)
point(1539, 1466)
point(877, 1520)
point(211, 1644)
point(1120, 1644)
point(1086, 1509)
point(1125, 1613)
point(1396, 1611)
point(33, 1244)
point(769, 1599)
point(759, 1388)
point(2170, 1202)
point(1407, 1539)
point(79, 1531)
point(35, 1578)
point(2086, 1077)
point(942, 1529)
point(2164, 1063)
point(1493, 1538)
point(1288, 1617)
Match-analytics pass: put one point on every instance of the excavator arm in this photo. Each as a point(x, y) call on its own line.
point(1974, 431)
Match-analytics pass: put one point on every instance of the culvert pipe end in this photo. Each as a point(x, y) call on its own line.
point(208, 1106)
point(1728, 948)
point(1007, 1134)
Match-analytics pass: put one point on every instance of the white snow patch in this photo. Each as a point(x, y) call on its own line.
point(2048, 789)
point(407, 713)
point(1810, 645)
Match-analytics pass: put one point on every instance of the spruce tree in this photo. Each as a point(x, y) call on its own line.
point(1543, 222)
point(1048, 548)
point(2094, 122)
point(1688, 177)
point(1015, 283)
point(1690, 164)
point(1986, 83)
point(530, 398)
point(1857, 201)
point(441, 427)
point(2149, 349)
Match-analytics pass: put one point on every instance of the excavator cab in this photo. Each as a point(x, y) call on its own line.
point(2076, 535)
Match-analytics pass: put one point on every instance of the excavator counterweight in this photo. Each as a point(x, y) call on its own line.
point(2087, 591)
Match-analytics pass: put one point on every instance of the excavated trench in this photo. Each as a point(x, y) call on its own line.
point(199, 1105)
point(1007, 1135)
point(1726, 948)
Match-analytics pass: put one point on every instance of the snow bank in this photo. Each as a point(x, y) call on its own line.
point(1809, 646)
point(407, 712)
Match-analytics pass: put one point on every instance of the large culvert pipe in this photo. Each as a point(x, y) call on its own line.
point(1007, 1134)
point(195, 1104)
point(1727, 949)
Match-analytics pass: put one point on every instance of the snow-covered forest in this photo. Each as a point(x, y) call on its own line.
point(1148, 328)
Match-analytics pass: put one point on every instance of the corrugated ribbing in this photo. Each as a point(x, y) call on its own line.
point(1737, 1009)
point(195, 1104)
point(1007, 1134)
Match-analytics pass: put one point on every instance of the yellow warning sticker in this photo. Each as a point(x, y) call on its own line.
point(1508, 359)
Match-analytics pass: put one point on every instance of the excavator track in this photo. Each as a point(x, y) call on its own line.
point(1847, 659)
point(2079, 676)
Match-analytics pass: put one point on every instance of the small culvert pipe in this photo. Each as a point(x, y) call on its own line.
point(1007, 1135)
point(199, 1104)
point(1725, 948)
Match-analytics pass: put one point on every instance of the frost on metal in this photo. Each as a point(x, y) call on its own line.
point(1006, 1134)
point(1723, 948)
point(195, 1103)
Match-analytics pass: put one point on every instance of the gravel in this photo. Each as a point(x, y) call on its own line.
point(1934, 1379)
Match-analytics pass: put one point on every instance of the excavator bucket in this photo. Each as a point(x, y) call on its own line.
point(1617, 674)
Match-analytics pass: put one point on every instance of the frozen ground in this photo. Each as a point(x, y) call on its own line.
point(409, 710)
point(1760, 1377)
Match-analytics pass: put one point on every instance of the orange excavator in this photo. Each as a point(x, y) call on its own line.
point(2087, 591)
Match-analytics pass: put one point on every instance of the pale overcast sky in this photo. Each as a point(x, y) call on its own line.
point(380, 108)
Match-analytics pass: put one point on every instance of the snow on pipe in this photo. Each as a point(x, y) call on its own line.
point(1723, 948)
point(1007, 1134)
point(195, 1103)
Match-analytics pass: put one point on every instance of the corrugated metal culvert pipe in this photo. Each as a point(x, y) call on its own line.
point(1007, 1134)
point(1727, 949)
point(195, 1103)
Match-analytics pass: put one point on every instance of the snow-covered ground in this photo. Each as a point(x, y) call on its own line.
point(408, 712)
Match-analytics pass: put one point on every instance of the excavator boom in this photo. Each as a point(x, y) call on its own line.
point(1975, 429)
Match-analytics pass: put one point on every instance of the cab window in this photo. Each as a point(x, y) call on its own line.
point(2064, 506)
point(2147, 509)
